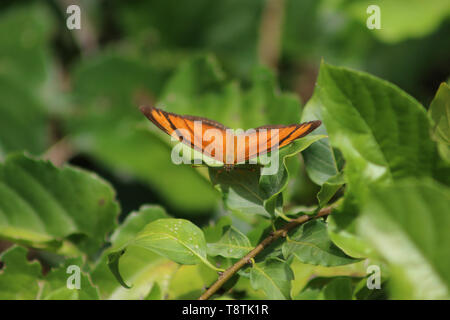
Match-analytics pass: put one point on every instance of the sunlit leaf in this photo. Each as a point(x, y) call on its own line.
point(176, 239)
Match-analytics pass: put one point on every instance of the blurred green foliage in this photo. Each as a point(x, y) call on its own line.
point(72, 96)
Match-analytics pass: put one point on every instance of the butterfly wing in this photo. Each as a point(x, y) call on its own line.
point(202, 134)
point(214, 140)
point(267, 138)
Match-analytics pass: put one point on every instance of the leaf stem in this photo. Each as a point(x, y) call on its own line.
point(282, 232)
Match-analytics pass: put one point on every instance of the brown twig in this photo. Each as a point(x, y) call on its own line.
point(282, 232)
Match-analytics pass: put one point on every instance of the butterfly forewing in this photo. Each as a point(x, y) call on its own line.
point(219, 142)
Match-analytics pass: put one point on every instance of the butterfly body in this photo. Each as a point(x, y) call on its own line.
point(223, 144)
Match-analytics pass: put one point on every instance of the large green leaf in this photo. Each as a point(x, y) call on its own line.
point(408, 225)
point(310, 244)
point(382, 133)
point(21, 279)
point(176, 239)
point(439, 112)
point(42, 206)
point(138, 266)
point(274, 277)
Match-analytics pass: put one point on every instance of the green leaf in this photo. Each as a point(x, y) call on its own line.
point(134, 223)
point(55, 285)
point(305, 273)
point(188, 282)
point(18, 278)
point(362, 292)
point(381, 131)
point(233, 244)
point(18, 108)
point(251, 189)
point(25, 34)
point(113, 264)
point(321, 162)
point(273, 277)
point(273, 184)
point(42, 206)
point(155, 293)
point(176, 239)
point(214, 231)
point(328, 288)
point(21, 279)
point(329, 189)
point(408, 223)
point(396, 23)
point(342, 229)
point(439, 112)
point(240, 190)
point(27, 78)
point(138, 266)
point(310, 244)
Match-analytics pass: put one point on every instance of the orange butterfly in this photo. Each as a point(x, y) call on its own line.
point(216, 141)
